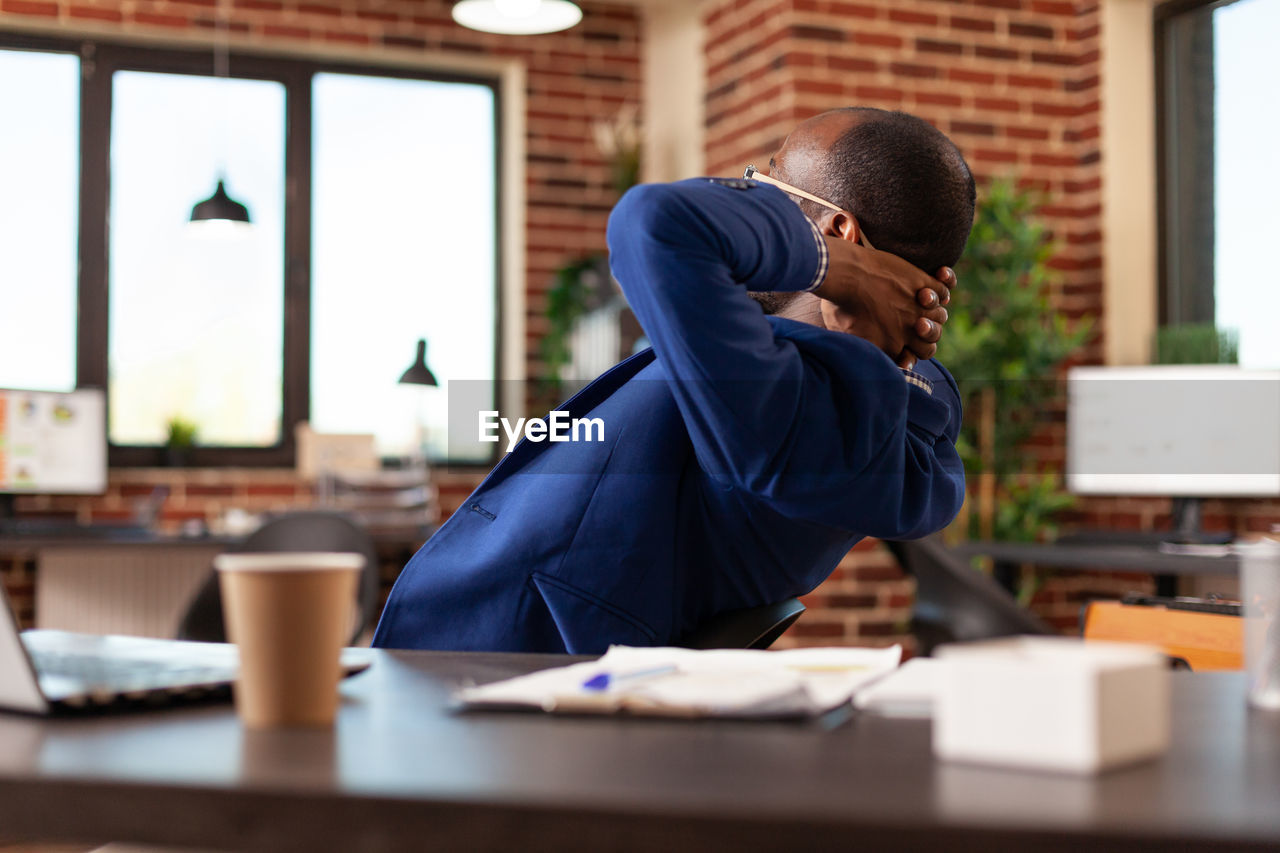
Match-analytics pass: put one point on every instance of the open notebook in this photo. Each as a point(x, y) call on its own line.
point(686, 683)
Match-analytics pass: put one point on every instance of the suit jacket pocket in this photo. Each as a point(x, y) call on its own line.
point(587, 623)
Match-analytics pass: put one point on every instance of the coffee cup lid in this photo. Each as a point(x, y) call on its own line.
point(288, 561)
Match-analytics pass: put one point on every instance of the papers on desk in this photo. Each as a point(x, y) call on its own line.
point(909, 691)
point(685, 683)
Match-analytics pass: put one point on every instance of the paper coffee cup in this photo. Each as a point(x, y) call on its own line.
point(288, 613)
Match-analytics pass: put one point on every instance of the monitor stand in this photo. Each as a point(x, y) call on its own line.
point(1188, 513)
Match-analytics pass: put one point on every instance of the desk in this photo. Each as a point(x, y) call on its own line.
point(1100, 557)
point(1128, 558)
point(403, 774)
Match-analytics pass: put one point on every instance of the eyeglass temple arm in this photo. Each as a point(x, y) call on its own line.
point(753, 174)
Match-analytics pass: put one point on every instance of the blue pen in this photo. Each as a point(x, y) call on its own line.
point(605, 680)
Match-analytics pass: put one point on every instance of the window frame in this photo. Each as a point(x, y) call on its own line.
point(1175, 305)
point(100, 59)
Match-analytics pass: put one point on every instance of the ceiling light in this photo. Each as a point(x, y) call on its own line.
point(517, 17)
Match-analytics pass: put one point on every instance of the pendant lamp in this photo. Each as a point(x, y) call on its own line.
point(220, 207)
point(418, 372)
point(517, 17)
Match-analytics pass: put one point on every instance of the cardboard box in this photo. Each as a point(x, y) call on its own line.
point(1051, 703)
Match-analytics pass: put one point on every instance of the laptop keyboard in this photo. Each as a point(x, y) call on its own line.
point(124, 674)
point(95, 672)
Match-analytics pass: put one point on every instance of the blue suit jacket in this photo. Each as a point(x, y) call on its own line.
point(743, 455)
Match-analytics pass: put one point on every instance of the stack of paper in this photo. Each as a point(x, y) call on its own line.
point(908, 692)
point(686, 683)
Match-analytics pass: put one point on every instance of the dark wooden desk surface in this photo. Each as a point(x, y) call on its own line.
point(402, 773)
point(1102, 557)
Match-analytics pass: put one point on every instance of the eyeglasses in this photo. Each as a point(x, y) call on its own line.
point(753, 174)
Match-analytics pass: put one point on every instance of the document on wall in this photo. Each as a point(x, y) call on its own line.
point(673, 682)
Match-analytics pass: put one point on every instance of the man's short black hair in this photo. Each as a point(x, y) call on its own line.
point(906, 183)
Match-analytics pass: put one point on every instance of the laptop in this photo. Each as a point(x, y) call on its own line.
point(50, 672)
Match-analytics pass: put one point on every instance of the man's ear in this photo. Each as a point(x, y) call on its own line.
point(841, 224)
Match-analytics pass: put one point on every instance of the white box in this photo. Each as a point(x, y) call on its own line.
point(1051, 703)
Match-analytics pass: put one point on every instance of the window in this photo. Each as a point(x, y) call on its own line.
point(373, 197)
point(1216, 68)
point(403, 231)
point(39, 178)
point(196, 320)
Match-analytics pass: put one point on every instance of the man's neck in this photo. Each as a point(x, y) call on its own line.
point(805, 308)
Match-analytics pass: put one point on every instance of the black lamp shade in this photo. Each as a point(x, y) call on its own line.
point(220, 206)
point(418, 372)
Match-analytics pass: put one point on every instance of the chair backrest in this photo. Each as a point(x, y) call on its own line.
point(955, 602)
point(1204, 641)
point(301, 531)
point(749, 628)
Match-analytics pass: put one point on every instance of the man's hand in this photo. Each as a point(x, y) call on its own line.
point(885, 300)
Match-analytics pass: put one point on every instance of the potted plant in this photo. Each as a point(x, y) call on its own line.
point(1196, 343)
point(180, 439)
point(580, 285)
point(1005, 344)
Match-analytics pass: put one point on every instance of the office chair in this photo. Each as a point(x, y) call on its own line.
point(749, 628)
point(1201, 636)
point(954, 602)
point(302, 531)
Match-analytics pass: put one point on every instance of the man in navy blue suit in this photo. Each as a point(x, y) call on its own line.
point(747, 451)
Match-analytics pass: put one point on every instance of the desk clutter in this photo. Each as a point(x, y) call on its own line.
point(1042, 703)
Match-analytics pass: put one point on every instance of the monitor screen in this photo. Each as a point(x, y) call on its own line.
point(53, 443)
point(1181, 431)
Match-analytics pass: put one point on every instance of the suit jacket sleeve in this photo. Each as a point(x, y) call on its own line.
point(831, 434)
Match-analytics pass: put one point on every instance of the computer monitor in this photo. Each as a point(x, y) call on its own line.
point(1188, 432)
point(52, 443)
